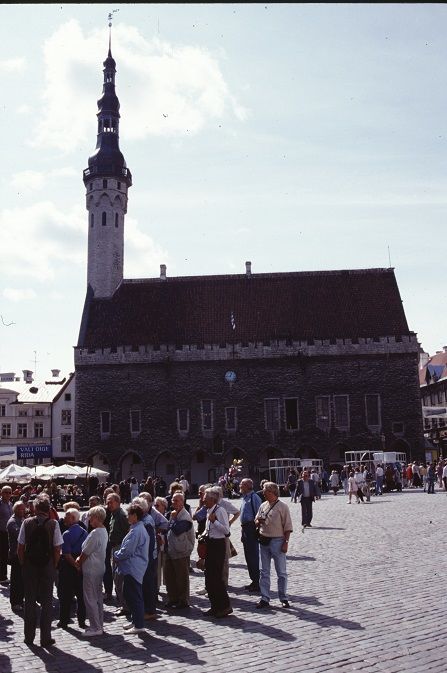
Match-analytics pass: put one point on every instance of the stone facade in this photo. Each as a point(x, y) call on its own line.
point(158, 390)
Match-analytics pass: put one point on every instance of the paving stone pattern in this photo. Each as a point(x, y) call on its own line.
point(366, 586)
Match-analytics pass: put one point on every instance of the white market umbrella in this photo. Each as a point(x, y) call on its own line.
point(92, 472)
point(65, 472)
point(43, 471)
point(16, 473)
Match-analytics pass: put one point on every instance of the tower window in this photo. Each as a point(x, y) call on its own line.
point(104, 184)
point(92, 220)
point(91, 186)
point(116, 220)
point(104, 219)
point(118, 185)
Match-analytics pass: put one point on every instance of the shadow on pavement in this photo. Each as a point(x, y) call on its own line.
point(155, 648)
point(299, 558)
point(55, 657)
point(325, 621)
point(5, 637)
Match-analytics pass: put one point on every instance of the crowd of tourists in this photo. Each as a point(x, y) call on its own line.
point(125, 552)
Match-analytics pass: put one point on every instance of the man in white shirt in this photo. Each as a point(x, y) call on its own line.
point(233, 514)
point(217, 529)
point(379, 479)
point(444, 475)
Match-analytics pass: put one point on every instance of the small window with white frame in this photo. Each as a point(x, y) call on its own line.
point(341, 412)
point(23, 413)
point(6, 430)
point(135, 421)
point(3, 410)
point(231, 419)
point(207, 407)
point(105, 423)
point(66, 417)
point(22, 430)
point(291, 414)
point(372, 411)
point(183, 421)
point(38, 430)
point(272, 414)
point(65, 443)
point(323, 412)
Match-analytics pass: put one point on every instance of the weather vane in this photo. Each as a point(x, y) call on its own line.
point(110, 17)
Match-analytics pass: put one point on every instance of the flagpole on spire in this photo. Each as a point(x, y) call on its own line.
point(109, 19)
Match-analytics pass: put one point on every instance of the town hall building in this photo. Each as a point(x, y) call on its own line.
point(184, 374)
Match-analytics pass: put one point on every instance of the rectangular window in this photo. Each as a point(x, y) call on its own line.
point(39, 412)
point(67, 397)
point(372, 409)
point(323, 412)
point(6, 429)
point(135, 421)
point(38, 429)
point(183, 420)
point(291, 413)
point(207, 415)
point(230, 418)
point(22, 430)
point(341, 412)
point(105, 420)
point(2, 409)
point(65, 443)
point(23, 412)
point(66, 416)
point(271, 414)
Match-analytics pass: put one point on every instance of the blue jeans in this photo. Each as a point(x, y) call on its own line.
point(133, 593)
point(269, 552)
point(379, 484)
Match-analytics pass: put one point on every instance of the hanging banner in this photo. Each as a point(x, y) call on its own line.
point(8, 453)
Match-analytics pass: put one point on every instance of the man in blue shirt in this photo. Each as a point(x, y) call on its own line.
point(70, 577)
point(251, 502)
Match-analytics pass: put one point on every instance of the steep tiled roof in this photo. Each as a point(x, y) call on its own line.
point(435, 369)
point(197, 309)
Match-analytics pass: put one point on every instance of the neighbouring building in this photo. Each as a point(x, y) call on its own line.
point(36, 418)
point(433, 383)
point(184, 374)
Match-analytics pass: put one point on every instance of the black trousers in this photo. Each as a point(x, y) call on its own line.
point(38, 584)
point(108, 574)
point(214, 583)
point(16, 591)
point(251, 550)
point(306, 511)
point(4, 549)
point(70, 585)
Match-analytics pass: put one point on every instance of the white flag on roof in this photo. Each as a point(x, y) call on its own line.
point(233, 323)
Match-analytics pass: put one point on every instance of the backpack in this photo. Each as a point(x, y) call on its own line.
point(38, 548)
point(368, 477)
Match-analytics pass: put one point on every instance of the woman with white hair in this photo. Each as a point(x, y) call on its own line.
point(92, 562)
point(181, 539)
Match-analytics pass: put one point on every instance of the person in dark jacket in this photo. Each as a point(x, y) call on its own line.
point(306, 492)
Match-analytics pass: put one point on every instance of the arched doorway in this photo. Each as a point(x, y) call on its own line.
point(166, 466)
point(131, 465)
point(262, 468)
point(204, 469)
point(100, 461)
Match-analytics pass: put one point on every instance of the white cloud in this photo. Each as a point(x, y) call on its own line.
point(164, 89)
point(12, 65)
point(40, 240)
point(24, 109)
point(34, 180)
point(18, 294)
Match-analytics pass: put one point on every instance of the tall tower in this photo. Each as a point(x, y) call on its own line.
point(106, 180)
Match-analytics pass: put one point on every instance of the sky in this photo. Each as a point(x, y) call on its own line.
point(299, 137)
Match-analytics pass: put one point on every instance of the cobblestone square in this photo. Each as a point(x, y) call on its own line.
point(366, 592)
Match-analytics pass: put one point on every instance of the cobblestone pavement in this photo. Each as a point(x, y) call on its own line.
point(366, 586)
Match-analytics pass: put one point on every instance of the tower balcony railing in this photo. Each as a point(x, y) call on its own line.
point(112, 170)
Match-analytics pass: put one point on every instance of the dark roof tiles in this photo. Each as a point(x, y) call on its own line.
point(197, 309)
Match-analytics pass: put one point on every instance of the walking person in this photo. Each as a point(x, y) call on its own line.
point(91, 562)
point(334, 481)
point(431, 477)
point(352, 487)
point(251, 503)
point(16, 591)
point(344, 476)
point(38, 549)
point(132, 558)
point(275, 527)
point(306, 491)
point(358, 476)
point(291, 484)
point(379, 479)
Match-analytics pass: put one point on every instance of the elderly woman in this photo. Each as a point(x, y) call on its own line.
point(217, 529)
point(132, 559)
point(161, 508)
point(91, 562)
point(70, 577)
point(181, 539)
point(150, 576)
point(16, 593)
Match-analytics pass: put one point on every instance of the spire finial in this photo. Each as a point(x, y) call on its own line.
point(110, 18)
